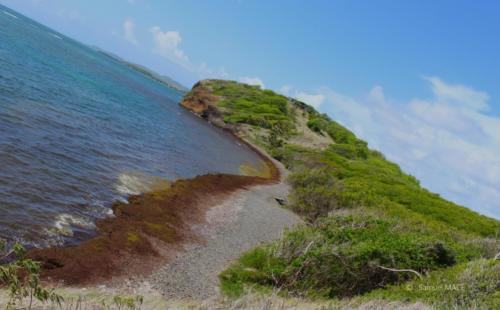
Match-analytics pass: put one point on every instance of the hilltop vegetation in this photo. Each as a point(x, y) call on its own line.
point(370, 226)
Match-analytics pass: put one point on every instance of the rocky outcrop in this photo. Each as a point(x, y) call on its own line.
point(202, 102)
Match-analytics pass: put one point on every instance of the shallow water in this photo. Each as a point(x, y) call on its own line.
point(79, 129)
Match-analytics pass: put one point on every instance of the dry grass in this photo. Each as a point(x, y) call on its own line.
point(251, 301)
point(104, 299)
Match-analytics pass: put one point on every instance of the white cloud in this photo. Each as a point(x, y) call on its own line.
point(313, 100)
point(447, 141)
point(252, 81)
point(459, 95)
point(129, 31)
point(167, 45)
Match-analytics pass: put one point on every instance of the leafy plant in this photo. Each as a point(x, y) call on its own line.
point(21, 277)
point(128, 302)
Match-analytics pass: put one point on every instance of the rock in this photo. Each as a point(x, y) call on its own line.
point(281, 201)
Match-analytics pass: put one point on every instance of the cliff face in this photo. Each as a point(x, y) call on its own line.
point(254, 114)
point(202, 102)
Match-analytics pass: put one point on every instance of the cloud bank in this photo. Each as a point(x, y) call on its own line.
point(448, 141)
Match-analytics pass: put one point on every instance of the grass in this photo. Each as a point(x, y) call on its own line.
point(365, 218)
point(469, 285)
point(94, 299)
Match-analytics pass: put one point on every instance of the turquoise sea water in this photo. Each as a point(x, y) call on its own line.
point(79, 129)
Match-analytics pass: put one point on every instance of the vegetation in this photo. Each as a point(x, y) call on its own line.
point(247, 104)
point(370, 228)
point(345, 255)
point(128, 302)
point(471, 285)
point(21, 277)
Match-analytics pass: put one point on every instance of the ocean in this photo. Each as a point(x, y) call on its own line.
point(80, 129)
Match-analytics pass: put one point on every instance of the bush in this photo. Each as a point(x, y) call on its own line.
point(350, 151)
point(315, 192)
point(472, 285)
point(251, 105)
point(340, 134)
point(317, 125)
point(340, 256)
point(255, 267)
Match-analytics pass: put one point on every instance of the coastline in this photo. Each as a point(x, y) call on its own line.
point(242, 221)
point(148, 231)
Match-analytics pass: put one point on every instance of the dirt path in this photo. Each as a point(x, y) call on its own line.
point(244, 220)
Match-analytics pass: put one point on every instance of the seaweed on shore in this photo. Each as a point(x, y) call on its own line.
point(142, 233)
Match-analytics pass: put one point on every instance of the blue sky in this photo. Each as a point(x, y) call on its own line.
point(419, 80)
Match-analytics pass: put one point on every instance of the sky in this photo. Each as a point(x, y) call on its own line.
point(418, 80)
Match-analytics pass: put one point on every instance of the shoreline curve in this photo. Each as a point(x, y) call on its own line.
point(148, 230)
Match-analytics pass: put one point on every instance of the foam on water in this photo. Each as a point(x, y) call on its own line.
point(56, 36)
point(65, 223)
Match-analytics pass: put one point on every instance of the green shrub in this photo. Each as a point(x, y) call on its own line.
point(472, 285)
point(340, 134)
point(315, 192)
point(250, 105)
point(255, 268)
point(341, 256)
point(350, 151)
point(317, 125)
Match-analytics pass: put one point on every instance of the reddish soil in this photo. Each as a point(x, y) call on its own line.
point(201, 101)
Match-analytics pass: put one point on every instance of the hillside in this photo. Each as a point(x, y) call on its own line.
point(370, 226)
point(156, 76)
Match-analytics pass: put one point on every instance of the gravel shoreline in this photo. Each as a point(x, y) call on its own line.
point(245, 219)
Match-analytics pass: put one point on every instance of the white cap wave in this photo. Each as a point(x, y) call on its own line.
point(64, 223)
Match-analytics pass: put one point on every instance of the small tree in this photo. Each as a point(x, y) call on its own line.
point(21, 277)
